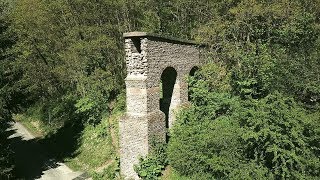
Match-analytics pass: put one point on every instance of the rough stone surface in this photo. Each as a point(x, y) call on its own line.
point(147, 58)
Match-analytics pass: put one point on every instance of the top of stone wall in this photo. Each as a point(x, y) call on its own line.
point(159, 37)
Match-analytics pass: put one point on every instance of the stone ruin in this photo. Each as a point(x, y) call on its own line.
point(156, 85)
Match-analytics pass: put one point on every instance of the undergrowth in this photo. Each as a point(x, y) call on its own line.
point(151, 166)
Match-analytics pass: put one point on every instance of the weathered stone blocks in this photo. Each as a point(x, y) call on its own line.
point(147, 57)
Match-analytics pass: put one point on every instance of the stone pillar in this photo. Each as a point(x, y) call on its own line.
point(144, 122)
point(179, 96)
point(175, 102)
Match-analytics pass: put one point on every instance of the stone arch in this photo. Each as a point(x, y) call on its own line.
point(150, 59)
point(168, 93)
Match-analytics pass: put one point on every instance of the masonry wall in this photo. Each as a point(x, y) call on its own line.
point(182, 58)
point(146, 58)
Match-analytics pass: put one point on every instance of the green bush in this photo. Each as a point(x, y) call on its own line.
point(205, 139)
point(278, 135)
point(225, 136)
point(150, 167)
point(270, 138)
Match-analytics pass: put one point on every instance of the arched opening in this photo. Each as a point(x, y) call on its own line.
point(191, 73)
point(168, 80)
point(136, 48)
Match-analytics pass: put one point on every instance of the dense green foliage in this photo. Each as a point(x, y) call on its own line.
point(69, 55)
point(6, 91)
point(151, 167)
point(258, 108)
point(220, 135)
point(255, 107)
point(255, 111)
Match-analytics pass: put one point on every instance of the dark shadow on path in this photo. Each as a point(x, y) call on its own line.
point(64, 143)
point(33, 157)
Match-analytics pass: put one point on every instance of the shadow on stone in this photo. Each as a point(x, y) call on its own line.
point(168, 79)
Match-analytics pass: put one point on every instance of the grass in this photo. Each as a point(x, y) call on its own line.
point(34, 120)
point(96, 147)
point(33, 125)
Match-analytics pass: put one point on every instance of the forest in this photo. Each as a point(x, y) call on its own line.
point(255, 103)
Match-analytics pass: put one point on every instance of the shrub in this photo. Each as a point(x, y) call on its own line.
point(223, 136)
point(151, 166)
point(279, 135)
point(205, 139)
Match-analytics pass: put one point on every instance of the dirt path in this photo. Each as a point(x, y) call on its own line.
point(31, 159)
